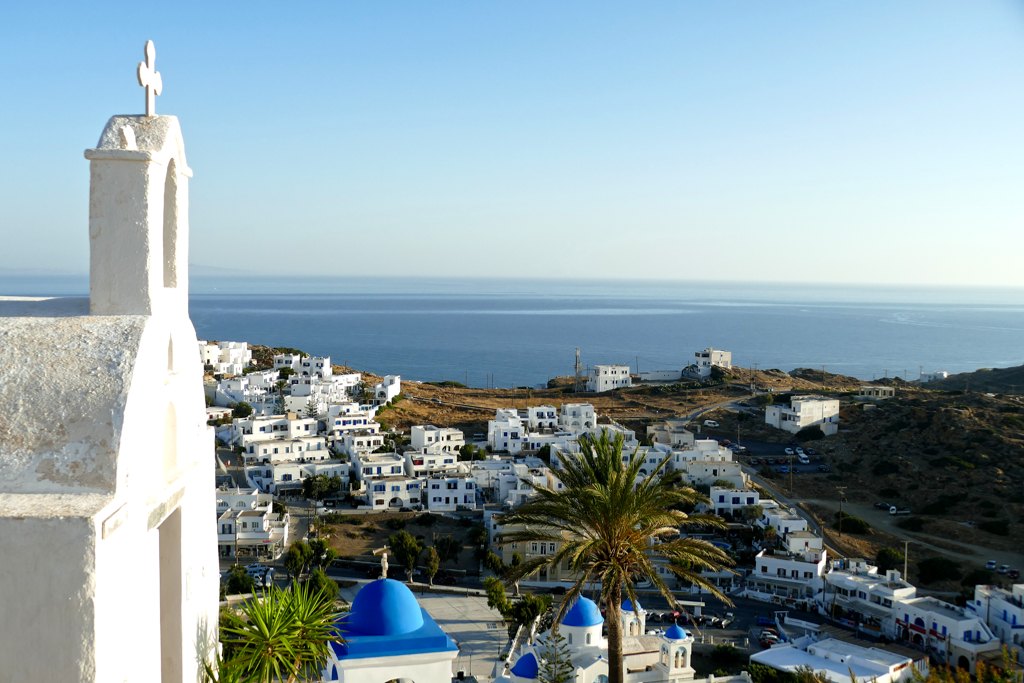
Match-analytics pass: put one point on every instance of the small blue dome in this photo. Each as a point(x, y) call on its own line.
point(384, 608)
point(526, 667)
point(676, 633)
point(627, 606)
point(583, 613)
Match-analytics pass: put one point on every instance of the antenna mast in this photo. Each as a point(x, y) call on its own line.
point(579, 373)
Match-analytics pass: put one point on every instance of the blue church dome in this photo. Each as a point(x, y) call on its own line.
point(676, 633)
point(583, 613)
point(384, 608)
point(526, 667)
point(627, 606)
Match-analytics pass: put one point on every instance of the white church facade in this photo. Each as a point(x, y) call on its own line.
point(106, 464)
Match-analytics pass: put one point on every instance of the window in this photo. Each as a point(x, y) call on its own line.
point(379, 487)
point(533, 547)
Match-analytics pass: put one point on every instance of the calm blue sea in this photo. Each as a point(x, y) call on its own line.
point(524, 332)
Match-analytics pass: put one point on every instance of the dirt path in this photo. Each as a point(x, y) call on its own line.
point(883, 521)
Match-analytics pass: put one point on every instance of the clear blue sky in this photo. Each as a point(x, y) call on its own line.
point(800, 141)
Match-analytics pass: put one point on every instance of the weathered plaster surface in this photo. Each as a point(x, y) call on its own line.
point(64, 382)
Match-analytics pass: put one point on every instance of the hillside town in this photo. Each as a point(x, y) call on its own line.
point(299, 420)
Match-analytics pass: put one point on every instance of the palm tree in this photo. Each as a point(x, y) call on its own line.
point(607, 523)
point(282, 637)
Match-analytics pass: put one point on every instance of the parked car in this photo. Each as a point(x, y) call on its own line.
point(765, 621)
point(991, 564)
point(784, 469)
point(1003, 568)
point(898, 511)
point(886, 506)
point(789, 451)
point(404, 509)
point(799, 451)
point(1013, 573)
point(744, 404)
point(449, 581)
point(710, 423)
point(811, 451)
point(803, 459)
point(728, 619)
point(754, 461)
point(558, 590)
point(823, 468)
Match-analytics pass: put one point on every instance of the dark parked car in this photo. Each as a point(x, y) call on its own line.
point(448, 581)
point(404, 509)
point(1013, 573)
point(882, 506)
point(824, 468)
point(811, 451)
point(558, 590)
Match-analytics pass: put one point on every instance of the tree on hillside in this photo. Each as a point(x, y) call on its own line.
point(281, 384)
point(604, 520)
point(555, 663)
point(763, 400)
point(752, 513)
point(407, 551)
point(433, 562)
point(448, 549)
point(320, 486)
point(771, 535)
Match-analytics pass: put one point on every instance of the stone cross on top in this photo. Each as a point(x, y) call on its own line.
point(149, 78)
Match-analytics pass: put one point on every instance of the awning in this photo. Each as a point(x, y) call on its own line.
point(779, 581)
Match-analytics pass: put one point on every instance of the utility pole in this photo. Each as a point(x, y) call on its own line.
point(906, 551)
point(822, 376)
point(887, 373)
point(841, 489)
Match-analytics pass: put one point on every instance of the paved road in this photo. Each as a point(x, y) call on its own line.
point(881, 519)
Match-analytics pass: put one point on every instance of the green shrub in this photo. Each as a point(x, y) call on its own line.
point(852, 525)
point(395, 523)
point(935, 569)
point(999, 527)
point(913, 523)
point(977, 577)
point(888, 558)
point(724, 655)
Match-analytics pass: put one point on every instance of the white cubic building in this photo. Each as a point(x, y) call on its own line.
point(541, 417)
point(805, 411)
point(436, 439)
point(704, 360)
point(579, 417)
point(450, 491)
point(225, 357)
point(386, 389)
point(608, 377)
point(957, 635)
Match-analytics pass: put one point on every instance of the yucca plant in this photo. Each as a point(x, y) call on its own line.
point(607, 519)
point(285, 636)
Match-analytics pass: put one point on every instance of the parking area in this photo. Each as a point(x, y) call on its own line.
point(779, 456)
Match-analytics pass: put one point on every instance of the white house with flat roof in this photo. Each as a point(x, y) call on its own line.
point(366, 464)
point(788, 574)
point(391, 492)
point(956, 635)
point(805, 411)
point(707, 471)
point(450, 491)
point(247, 430)
point(671, 433)
point(359, 443)
point(437, 439)
point(387, 388)
point(315, 366)
point(783, 519)
point(839, 661)
point(226, 357)
point(258, 533)
point(873, 393)
point(426, 463)
point(1002, 610)
point(732, 501)
point(577, 416)
point(704, 360)
point(506, 431)
point(287, 475)
point(932, 376)
point(609, 377)
point(287, 360)
point(541, 417)
point(305, 449)
point(856, 592)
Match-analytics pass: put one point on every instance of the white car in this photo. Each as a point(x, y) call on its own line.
point(991, 564)
point(789, 451)
point(799, 451)
point(1003, 568)
point(710, 423)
